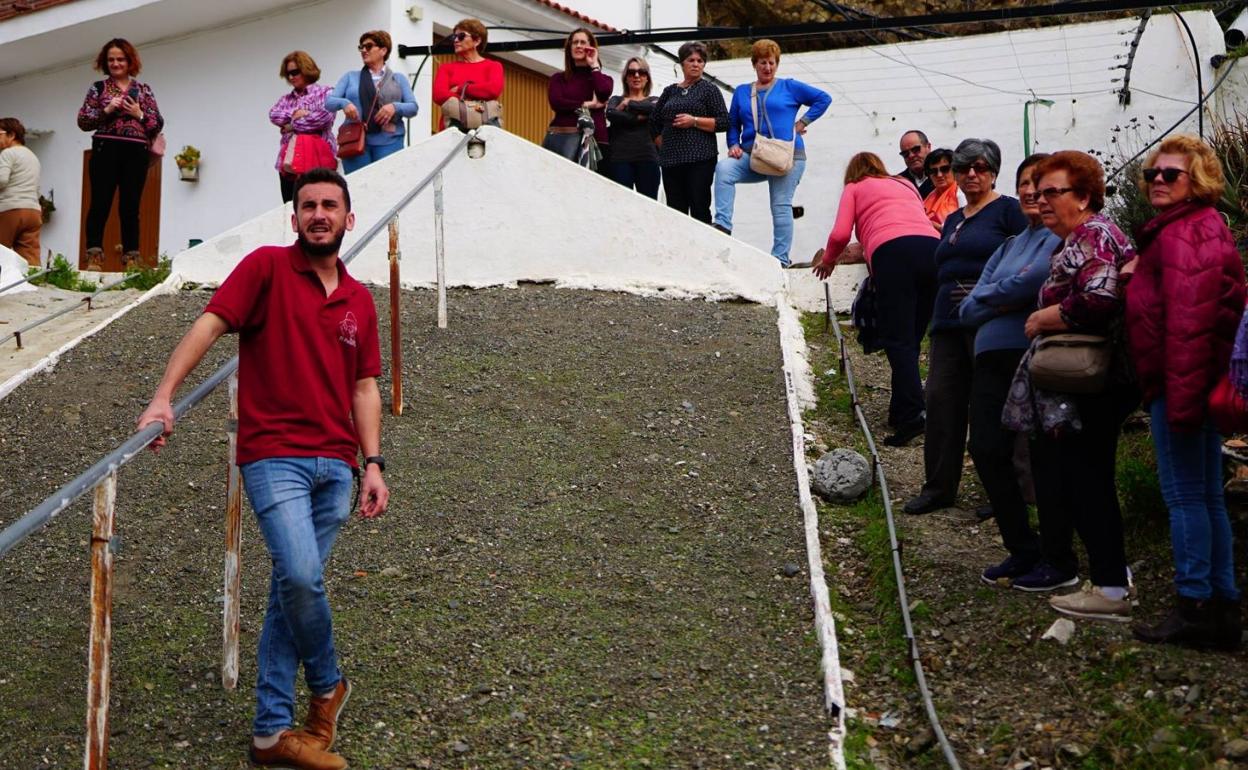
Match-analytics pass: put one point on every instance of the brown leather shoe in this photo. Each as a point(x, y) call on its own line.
point(95, 260)
point(320, 729)
point(294, 752)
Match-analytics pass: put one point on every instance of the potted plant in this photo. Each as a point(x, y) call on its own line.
point(188, 163)
point(46, 206)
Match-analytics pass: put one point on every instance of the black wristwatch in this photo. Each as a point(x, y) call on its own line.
point(378, 459)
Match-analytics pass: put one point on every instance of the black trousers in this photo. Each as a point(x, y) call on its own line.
point(288, 187)
point(688, 188)
point(992, 448)
point(1076, 490)
point(950, 363)
point(639, 175)
point(904, 271)
point(116, 165)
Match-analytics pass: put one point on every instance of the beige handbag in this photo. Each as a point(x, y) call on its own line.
point(1071, 363)
point(468, 114)
point(770, 157)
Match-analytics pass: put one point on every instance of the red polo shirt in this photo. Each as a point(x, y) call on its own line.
point(300, 355)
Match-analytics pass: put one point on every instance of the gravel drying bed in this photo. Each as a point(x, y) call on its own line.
point(593, 506)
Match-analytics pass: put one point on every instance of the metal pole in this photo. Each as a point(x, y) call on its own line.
point(95, 757)
point(396, 336)
point(439, 245)
point(233, 548)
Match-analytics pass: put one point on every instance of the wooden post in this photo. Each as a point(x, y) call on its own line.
point(101, 639)
point(439, 245)
point(396, 337)
point(233, 549)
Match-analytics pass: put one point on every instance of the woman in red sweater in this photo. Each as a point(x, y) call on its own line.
point(1184, 303)
point(470, 76)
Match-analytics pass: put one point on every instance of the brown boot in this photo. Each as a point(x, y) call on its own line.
point(293, 752)
point(320, 729)
point(95, 260)
point(1189, 624)
point(129, 259)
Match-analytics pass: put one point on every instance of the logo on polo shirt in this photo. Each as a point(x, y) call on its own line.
point(347, 329)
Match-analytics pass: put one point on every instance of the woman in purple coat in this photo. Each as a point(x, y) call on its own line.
point(581, 88)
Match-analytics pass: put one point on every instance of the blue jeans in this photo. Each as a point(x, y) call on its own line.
point(300, 503)
point(1189, 468)
point(730, 171)
point(372, 152)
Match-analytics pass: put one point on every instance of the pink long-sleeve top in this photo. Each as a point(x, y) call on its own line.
point(877, 209)
point(318, 121)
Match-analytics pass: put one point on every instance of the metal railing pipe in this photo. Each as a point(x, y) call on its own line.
point(17, 333)
point(24, 279)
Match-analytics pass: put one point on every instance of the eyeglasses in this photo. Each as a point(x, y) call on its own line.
point(939, 170)
point(1052, 193)
point(292, 74)
point(461, 36)
point(636, 73)
point(915, 150)
point(979, 167)
point(1168, 175)
point(366, 47)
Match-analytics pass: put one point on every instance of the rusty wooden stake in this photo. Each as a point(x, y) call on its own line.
point(101, 639)
point(233, 548)
point(396, 337)
point(439, 246)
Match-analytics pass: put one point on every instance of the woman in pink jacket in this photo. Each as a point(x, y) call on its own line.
point(1184, 304)
point(897, 239)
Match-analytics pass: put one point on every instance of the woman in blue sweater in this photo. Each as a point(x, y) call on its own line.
point(381, 100)
point(778, 101)
point(997, 309)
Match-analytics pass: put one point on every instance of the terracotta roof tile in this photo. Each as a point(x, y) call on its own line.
point(570, 12)
point(12, 8)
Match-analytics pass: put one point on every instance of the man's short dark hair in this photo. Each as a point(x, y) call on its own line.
point(319, 176)
point(922, 136)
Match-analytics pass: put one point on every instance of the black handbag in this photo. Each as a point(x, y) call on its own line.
point(866, 316)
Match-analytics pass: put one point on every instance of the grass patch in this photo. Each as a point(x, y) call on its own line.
point(1129, 741)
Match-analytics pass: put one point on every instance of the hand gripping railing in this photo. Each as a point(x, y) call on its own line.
point(102, 478)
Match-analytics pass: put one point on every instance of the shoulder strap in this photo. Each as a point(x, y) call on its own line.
point(99, 87)
point(754, 111)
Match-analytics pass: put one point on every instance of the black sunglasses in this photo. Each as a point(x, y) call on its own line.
point(979, 167)
point(365, 47)
point(942, 169)
point(1168, 175)
point(461, 36)
point(636, 73)
point(1053, 193)
point(915, 150)
point(292, 73)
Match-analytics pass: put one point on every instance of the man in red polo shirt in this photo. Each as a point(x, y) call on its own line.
point(308, 403)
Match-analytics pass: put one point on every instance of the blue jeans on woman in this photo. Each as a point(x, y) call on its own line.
point(372, 153)
point(731, 171)
point(1189, 468)
point(300, 504)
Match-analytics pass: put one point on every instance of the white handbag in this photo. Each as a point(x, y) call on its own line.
point(770, 156)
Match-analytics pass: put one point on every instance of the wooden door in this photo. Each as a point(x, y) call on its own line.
point(149, 220)
point(526, 110)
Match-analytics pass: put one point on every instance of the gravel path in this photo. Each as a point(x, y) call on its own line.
point(583, 565)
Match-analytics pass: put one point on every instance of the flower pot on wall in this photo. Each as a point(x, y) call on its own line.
point(189, 173)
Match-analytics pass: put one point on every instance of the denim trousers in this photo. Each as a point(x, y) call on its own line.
point(730, 172)
point(371, 154)
point(1189, 469)
point(300, 504)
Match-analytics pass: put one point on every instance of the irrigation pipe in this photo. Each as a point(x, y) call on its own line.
point(24, 279)
point(919, 675)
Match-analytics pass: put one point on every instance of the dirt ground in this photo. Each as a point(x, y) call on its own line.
point(1006, 698)
point(583, 565)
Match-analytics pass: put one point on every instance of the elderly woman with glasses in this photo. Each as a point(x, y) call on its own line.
point(1075, 435)
point(684, 123)
point(634, 159)
point(1184, 303)
point(469, 76)
point(302, 112)
point(970, 236)
point(944, 199)
point(376, 96)
point(775, 102)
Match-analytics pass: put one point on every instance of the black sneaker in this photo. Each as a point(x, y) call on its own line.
point(1009, 569)
point(721, 228)
point(1045, 577)
point(906, 433)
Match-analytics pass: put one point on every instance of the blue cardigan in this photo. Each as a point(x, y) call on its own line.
point(348, 90)
point(785, 97)
point(1008, 289)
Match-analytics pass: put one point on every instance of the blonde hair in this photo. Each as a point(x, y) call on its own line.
point(1204, 168)
point(764, 49)
point(643, 65)
point(863, 165)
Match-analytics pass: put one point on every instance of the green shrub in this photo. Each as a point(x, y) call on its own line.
point(145, 278)
point(62, 275)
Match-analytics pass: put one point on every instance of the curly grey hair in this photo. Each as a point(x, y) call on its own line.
point(971, 150)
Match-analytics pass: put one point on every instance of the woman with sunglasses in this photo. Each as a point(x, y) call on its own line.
point(997, 308)
point(970, 236)
point(1184, 302)
point(634, 158)
point(302, 112)
point(470, 76)
point(581, 86)
point(1075, 435)
point(944, 198)
point(376, 96)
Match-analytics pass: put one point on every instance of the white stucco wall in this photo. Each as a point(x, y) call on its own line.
point(520, 213)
